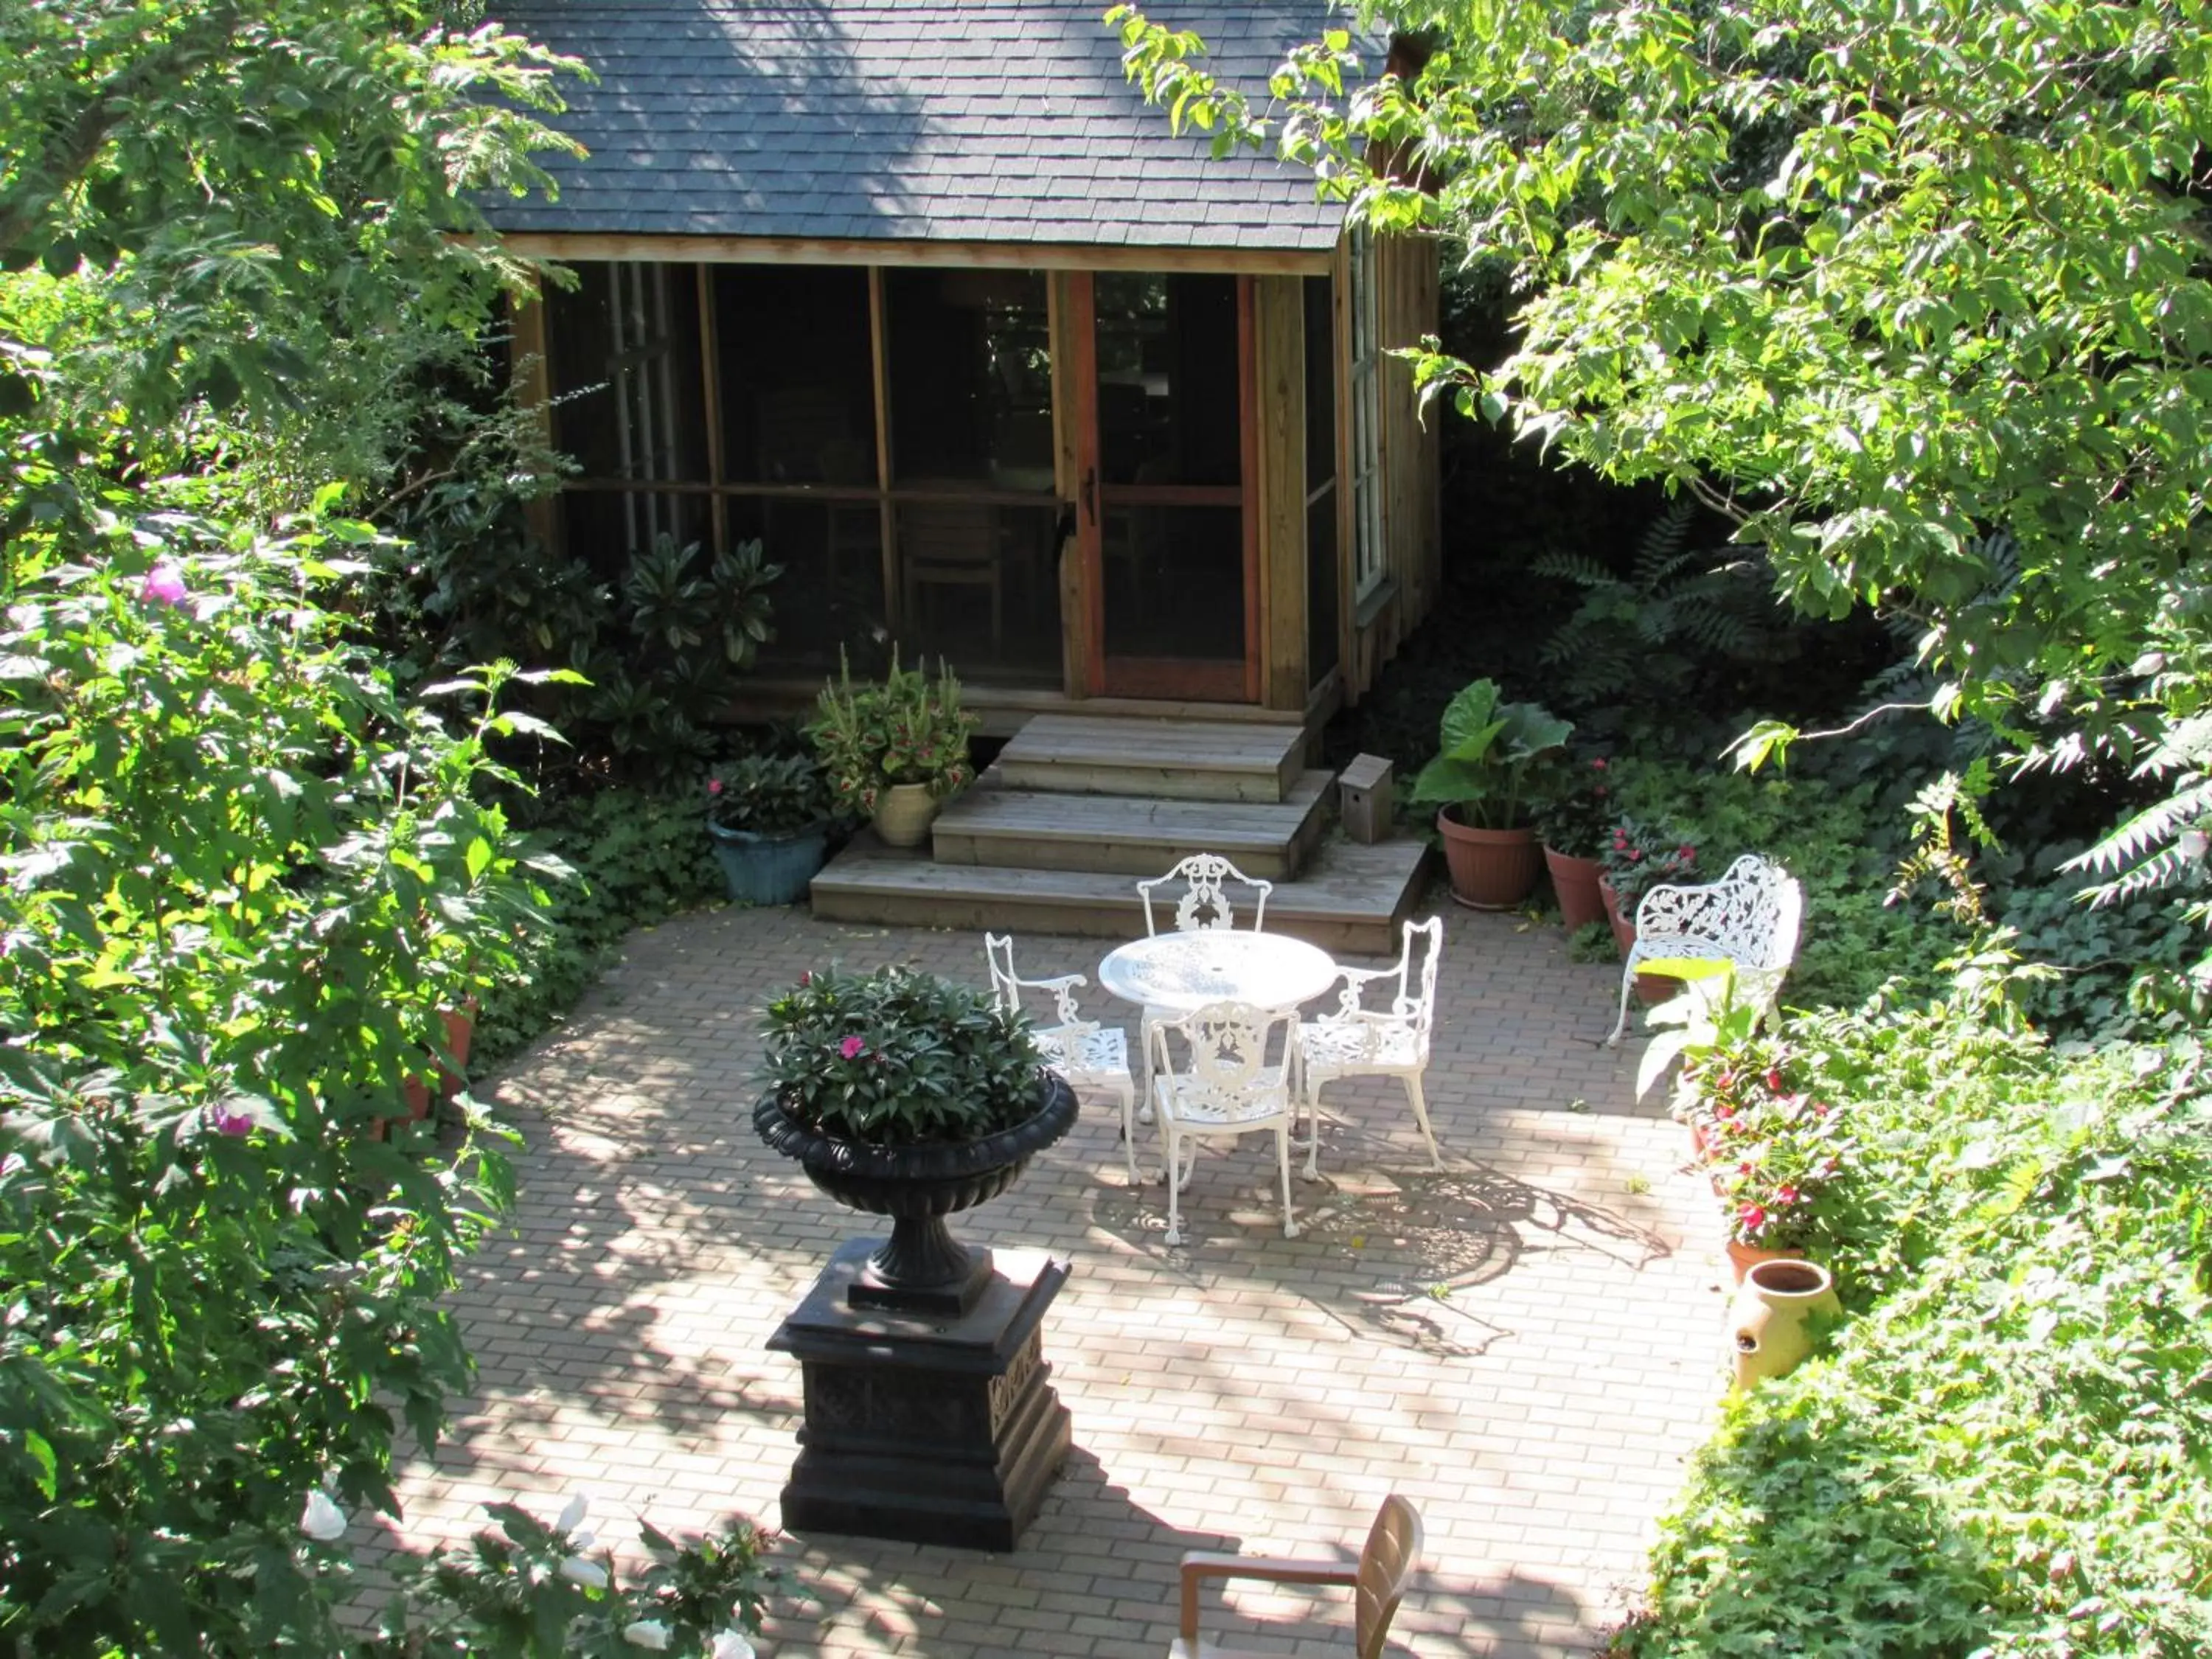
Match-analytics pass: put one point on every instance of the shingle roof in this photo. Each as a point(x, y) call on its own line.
point(987, 120)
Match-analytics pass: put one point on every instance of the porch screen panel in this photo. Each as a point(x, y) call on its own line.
point(624, 358)
point(1321, 580)
point(976, 524)
point(795, 393)
point(1170, 456)
point(1369, 559)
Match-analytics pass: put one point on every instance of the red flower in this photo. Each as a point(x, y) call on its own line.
point(1774, 1082)
point(1636, 855)
point(1598, 764)
point(1752, 1216)
point(1685, 852)
point(714, 786)
point(1786, 1195)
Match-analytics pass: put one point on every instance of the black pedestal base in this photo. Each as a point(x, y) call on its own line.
point(934, 1432)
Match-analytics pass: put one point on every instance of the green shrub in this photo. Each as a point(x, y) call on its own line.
point(2005, 1451)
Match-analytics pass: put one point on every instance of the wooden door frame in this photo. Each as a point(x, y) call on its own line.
point(1188, 680)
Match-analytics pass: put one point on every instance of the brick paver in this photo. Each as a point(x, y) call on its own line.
point(1525, 1344)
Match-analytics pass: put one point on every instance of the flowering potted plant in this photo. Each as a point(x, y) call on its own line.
point(769, 818)
point(1574, 824)
point(1486, 752)
point(905, 1094)
point(1776, 1151)
point(1637, 857)
point(896, 751)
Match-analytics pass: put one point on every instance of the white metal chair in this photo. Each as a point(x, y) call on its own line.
point(1378, 1582)
point(1088, 1055)
point(1357, 1041)
point(1235, 1075)
point(1748, 919)
point(1204, 901)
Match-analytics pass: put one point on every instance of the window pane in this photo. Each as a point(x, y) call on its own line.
point(980, 586)
point(971, 367)
point(1175, 582)
point(832, 587)
point(623, 364)
point(1168, 404)
point(605, 527)
point(798, 386)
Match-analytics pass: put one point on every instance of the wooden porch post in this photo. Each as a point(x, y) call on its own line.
point(1279, 319)
point(534, 386)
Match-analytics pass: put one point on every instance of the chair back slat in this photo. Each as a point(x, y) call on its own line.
point(998, 954)
point(1204, 901)
point(1387, 1565)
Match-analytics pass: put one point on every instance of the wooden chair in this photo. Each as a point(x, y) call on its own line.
point(1088, 1055)
point(1357, 1041)
point(1747, 920)
point(951, 545)
point(1226, 1086)
point(1385, 1565)
point(1205, 902)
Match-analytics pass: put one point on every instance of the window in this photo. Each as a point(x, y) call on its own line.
point(1369, 560)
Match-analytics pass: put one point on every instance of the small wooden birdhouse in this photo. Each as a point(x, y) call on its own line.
point(1363, 790)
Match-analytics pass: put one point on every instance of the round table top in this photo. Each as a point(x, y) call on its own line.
point(1186, 971)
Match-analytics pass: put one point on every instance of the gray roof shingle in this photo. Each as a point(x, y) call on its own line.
point(985, 120)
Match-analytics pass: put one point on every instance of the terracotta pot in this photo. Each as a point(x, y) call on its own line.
point(1651, 989)
point(1491, 869)
point(460, 1031)
point(904, 812)
point(1767, 1320)
point(1742, 1258)
point(1576, 882)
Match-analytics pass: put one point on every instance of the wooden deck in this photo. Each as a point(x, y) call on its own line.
point(1349, 902)
point(1126, 835)
point(1164, 759)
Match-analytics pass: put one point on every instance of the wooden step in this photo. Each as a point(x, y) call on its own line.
point(1171, 760)
point(1121, 834)
point(1350, 902)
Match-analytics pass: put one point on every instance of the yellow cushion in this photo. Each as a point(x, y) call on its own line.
point(1688, 967)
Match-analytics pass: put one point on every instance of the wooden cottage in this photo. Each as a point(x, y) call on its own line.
point(926, 298)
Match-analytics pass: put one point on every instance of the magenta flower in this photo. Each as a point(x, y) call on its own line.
point(714, 786)
point(225, 1121)
point(852, 1048)
point(1752, 1218)
point(164, 585)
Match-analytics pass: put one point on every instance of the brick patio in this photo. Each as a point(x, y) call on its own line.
point(1525, 1344)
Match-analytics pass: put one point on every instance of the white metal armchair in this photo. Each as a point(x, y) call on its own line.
point(1088, 1055)
point(1748, 919)
point(1234, 1076)
point(1204, 901)
point(1357, 1041)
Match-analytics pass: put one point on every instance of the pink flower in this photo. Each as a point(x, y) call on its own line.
point(714, 786)
point(852, 1048)
point(1636, 855)
point(1786, 1195)
point(1685, 852)
point(807, 977)
point(224, 1121)
point(164, 585)
point(1752, 1216)
point(1774, 1082)
point(1598, 764)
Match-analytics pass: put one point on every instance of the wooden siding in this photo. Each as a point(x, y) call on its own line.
point(1278, 315)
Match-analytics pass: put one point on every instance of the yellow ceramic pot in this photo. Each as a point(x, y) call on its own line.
point(1767, 1320)
point(904, 812)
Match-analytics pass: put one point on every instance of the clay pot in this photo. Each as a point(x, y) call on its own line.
point(1576, 882)
point(904, 812)
point(1491, 869)
point(1651, 989)
point(1742, 1258)
point(1767, 1320)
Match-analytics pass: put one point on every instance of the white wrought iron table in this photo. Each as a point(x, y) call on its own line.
point(1181, 973)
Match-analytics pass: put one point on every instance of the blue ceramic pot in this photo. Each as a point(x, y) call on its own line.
point(768, 869)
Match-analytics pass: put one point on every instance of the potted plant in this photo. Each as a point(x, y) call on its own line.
point(769, 818)
point(1478, 778)
point(1637, 857)
point(905, 1094)
point(1573, 825)
point(896, 751)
